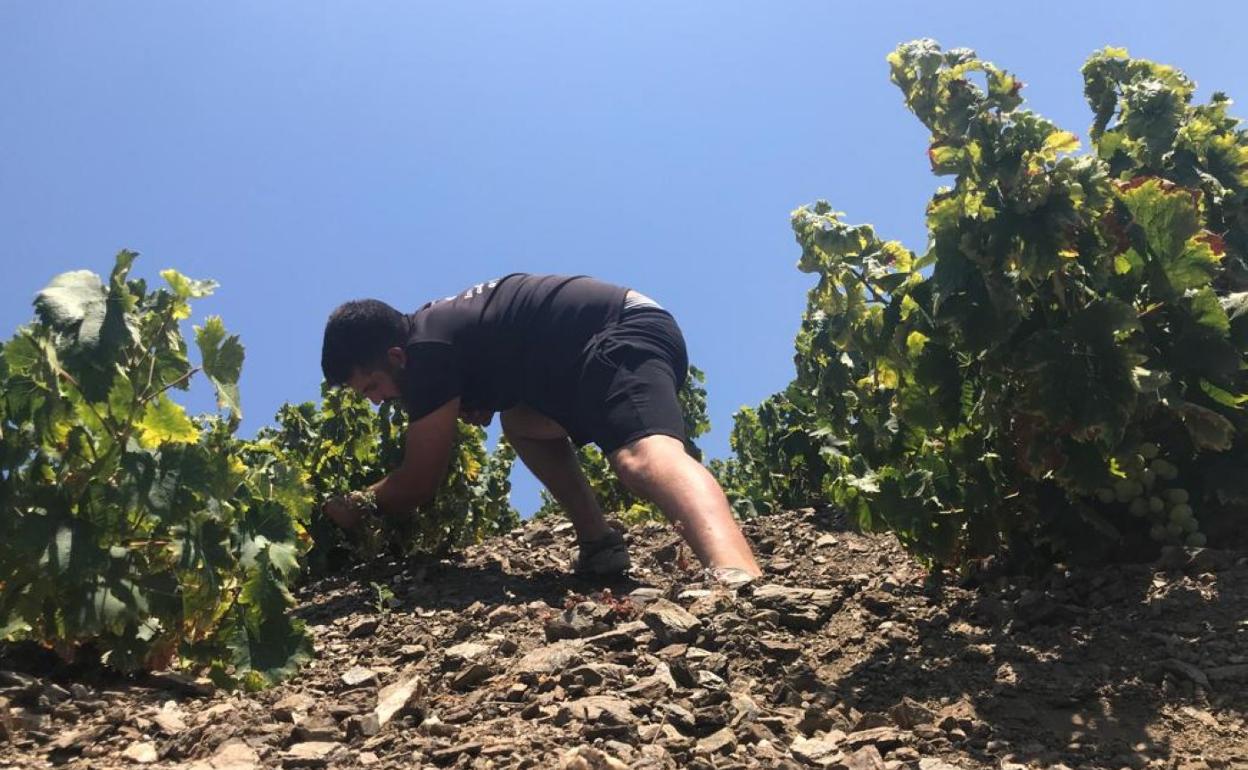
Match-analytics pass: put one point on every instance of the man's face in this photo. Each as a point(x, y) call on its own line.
point(380, 384)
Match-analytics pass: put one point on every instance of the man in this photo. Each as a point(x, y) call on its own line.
point(566, 360)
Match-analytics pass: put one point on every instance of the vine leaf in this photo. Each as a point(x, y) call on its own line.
point(74, 303)
point(222, 356)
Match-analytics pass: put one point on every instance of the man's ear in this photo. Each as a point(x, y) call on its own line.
point(397, 357)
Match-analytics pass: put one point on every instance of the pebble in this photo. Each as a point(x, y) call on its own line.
point(670, 622)
point(589, 758)
point(309, 754)
point(358, 676)
point(143, 753)
point(400, 696)
point(231, 755)
point(363, 627)
point(818, 752)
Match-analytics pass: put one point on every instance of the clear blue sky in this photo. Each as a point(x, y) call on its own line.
point(304, 153)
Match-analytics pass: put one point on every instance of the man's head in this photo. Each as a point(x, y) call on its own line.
point(363, 348)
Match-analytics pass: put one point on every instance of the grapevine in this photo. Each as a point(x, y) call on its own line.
point(1067, 356)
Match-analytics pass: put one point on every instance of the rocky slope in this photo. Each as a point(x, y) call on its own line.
point(846, 656)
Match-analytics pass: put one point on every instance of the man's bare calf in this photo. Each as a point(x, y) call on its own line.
point(655, 468)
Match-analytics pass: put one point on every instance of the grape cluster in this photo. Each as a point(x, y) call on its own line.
point(1145, 494)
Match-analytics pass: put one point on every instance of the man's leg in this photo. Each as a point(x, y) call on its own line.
point(658, 469)
point(544, 448)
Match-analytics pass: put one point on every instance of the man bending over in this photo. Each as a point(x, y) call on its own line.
point(566, 360)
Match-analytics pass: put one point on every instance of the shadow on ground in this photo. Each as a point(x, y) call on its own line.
point(1092, 660)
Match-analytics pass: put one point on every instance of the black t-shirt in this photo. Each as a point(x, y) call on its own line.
point(519, 339)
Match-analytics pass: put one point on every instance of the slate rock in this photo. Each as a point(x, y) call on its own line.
point(598, 708)
point(884, 738)
point(722, 741)
point(309, 754)
point(169, 721)
point(18, 680)
point(670, 622)
point(551, 659)
point(503, 615)
point(316, 729)
point(817, 752)
point(358, 676)
point(141, 753)
point(231, 755)
point(289, 707)
point(934, 763)
point(623, 637)
point(780, 649)
point(202, 687)
point(865, 758)
point(799, 608)
point(472, 676)
point(393, 699)
point(452, 753)
point(466, 652)
point(362, 726)
point(589, 758)
point(908, 714)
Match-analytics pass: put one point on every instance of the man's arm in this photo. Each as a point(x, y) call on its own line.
point(426, 454)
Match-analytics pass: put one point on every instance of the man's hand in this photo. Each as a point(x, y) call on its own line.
point(480, 417)
point(343, 512)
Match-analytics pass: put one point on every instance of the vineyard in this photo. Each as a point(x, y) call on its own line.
point(1063, 371)
point(999, 460)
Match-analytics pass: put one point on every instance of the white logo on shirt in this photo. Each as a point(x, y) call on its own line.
point(476, 291)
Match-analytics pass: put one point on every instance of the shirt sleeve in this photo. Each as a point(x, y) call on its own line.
point(431, 377)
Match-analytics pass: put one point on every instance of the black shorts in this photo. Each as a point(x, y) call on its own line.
point(629, 380)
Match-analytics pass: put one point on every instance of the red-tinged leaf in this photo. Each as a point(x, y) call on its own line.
point(1216, 242)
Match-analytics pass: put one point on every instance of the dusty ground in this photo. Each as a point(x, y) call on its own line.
point(845, 657)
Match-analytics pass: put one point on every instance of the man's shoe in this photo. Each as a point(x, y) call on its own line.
point(608, 555)
point(731, 577)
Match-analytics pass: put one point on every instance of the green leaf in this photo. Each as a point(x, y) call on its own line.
point(106, 606)
point(1207, 310)
point(14, 628)
point(121, 398)
point(22, 354)
point(1059, 142)
point(1223, 397)
point(120, 325)
point(915, 341)
point(287, 485)
point(263, 637)
point(285, 559)
point(274, 648)
point(891, 282)
point(1208, 429)
point(222, 362)
point(74, 303)
point(1128, 261)
point(165, 422)
point(185, 289)
point(1169, 218)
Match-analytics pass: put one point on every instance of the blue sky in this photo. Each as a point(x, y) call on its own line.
point(304, 153)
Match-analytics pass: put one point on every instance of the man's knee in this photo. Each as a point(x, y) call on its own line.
point(630, 467)
point(521, 422)
point(641, 462)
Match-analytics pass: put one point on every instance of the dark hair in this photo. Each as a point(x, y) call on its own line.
point(357, 335)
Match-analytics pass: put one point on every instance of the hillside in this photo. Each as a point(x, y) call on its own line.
point(846, 656)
